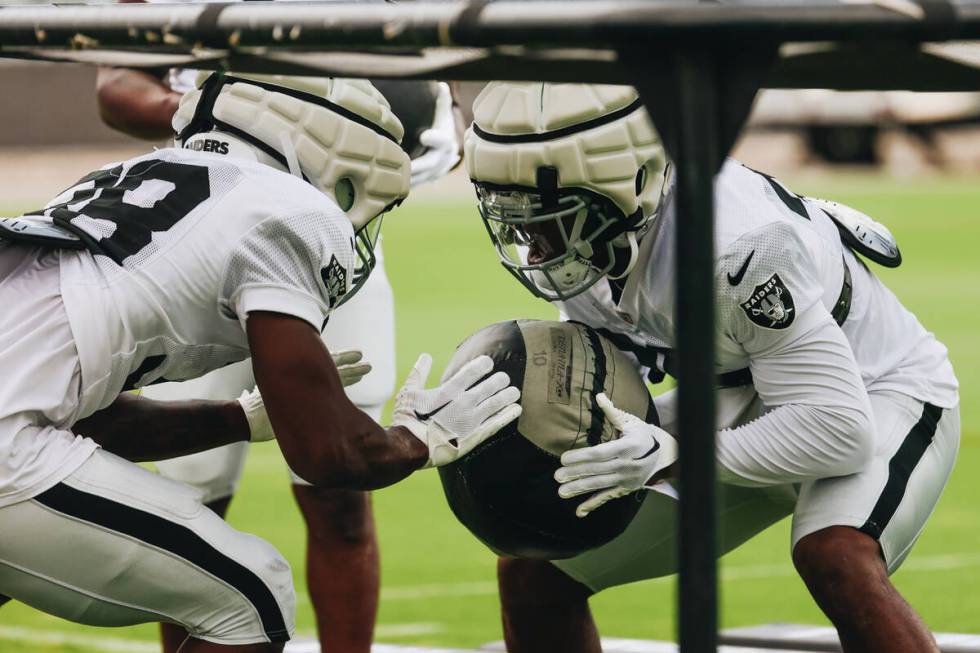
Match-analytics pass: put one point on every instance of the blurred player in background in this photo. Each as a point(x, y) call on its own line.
point(343, 569)
point(835, 392)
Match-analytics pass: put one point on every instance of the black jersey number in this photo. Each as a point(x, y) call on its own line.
point(101, 195)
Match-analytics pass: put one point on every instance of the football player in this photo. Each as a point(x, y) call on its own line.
point(343, 570)
point(831, 385)
point(238, 243)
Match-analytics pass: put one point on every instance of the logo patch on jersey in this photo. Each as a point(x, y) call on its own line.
point(335, 279)
point(770, 305)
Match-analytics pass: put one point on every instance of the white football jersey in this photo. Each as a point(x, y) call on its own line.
point(185, 245)
point(779, 275)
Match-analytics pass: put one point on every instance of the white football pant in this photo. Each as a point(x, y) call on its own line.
point(891, 500)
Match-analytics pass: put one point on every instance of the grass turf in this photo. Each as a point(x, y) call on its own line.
point(439, 582)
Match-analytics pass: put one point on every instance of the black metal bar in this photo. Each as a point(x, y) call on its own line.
point(697, 159)
point(578, 24)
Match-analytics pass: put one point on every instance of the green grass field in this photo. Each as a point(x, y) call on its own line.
point(438, 582)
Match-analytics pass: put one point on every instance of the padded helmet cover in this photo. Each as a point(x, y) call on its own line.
point(361, 147)
point(504, 491)
point(597, 136)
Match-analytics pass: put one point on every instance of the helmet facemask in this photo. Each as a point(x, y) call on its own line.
point(365, 240)
point(558, 243)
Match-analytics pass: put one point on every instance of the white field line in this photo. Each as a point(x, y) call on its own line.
point(55, 638)
point(407, 630)
point(945, 562)
point(122, 645)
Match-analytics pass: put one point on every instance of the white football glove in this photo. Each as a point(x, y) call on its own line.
point(441, 141)
point(350, 368)
point(458, 415)
point(616, 468)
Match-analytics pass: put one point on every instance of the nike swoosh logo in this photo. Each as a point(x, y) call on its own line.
point(422, 417)
point(737, 278)
point(654, 449)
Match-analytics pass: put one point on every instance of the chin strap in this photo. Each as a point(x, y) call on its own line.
point(289, 152)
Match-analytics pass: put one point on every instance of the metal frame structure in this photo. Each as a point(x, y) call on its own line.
point(697, 67)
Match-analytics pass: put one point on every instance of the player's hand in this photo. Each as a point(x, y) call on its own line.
point(616, 468)
point(349, 366)
point(461, 413)
point(441, 142)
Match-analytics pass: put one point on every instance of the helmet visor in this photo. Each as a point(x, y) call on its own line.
point(556, 251)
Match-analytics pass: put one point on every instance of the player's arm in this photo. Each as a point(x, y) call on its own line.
point(329, 442)
point(136, 102)
point(818, 421)
point(141, 429)
point(324, 436)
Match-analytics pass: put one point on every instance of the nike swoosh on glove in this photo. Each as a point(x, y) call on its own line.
point(461, 413)
point(616, 468)
point(349, 367)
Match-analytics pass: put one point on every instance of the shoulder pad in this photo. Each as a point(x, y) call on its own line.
point(862, 233)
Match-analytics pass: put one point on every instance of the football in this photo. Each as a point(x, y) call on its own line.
point(504, 491)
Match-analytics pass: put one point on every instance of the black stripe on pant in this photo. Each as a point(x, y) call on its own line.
point(175, 538)
point(900, 468)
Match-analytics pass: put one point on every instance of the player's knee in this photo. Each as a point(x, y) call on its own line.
point(839, 562)
point(277, 575)
point(528, 584)
point(337, 515)
point(264, 607)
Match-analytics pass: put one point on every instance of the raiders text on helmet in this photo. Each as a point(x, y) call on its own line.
point(569, 176)
point(339, 135)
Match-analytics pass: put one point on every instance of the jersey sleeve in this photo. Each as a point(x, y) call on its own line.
point(299, 266)
point(817, 419)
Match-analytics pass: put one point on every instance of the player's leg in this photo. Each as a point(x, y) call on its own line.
point(850, 533)
point(542, 606)
point(544, 609)
point(543, 603)
point(214, 473)
point(114, 545)
point(342, 565)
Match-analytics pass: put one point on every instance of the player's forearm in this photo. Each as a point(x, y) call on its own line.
point(324, 437)
point(141, 429)
point(136, 103)
point(793, 444)
point(820, 423)
point(364, 456)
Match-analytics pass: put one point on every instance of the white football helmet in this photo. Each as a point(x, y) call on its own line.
point(340, 135)
point(568, 177)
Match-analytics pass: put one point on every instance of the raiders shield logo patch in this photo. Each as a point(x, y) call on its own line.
point(770, 305)
point(335, 279)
